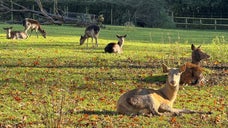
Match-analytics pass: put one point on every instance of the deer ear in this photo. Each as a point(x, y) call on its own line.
point(165, 68)
point(183, 68)
point(117, 36)
point(193, 47)
point(199, 46)
point(125, 36)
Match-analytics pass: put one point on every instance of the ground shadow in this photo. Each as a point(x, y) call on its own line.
point(155, 79)
point(103, 112)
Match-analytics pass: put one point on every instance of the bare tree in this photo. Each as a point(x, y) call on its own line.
point(5, 7)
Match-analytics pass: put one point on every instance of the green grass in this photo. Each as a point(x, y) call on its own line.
point(44, 82)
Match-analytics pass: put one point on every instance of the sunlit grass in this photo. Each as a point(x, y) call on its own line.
point(38, 74)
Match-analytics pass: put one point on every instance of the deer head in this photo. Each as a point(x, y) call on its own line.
point(8, 32)
point(198, 54)
point(121, 40)
point(82, 40)
point(43, 33)
point(174, 74)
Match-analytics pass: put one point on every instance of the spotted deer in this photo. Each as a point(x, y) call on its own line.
point(15, 34)
point(116, 47)
point(193, 74)
point(91, 31)
point(155, 102)
point(33, 25)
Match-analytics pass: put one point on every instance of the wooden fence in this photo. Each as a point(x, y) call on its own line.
point(206, 23)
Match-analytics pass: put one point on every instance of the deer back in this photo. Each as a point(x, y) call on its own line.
point(113, 48)
point(192, 75)
point(92, 31)
point(15, 34)
point(18, 35)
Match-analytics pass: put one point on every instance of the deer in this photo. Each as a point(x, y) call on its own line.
point(155, 102)
point(15, 34)
point(193, 73)
point(33, 25)
point(116, 47)
point(90, 31)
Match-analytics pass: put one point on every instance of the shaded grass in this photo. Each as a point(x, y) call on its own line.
point(37, 75)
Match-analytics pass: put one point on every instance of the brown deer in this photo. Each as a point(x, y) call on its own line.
point(91, 31)
point(193, 73)
point(116, 47)
point(15, 34)
point(155, 102)
point(33, 25)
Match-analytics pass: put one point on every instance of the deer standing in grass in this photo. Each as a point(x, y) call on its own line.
point(91, 31)
point(15, 34)
point(116, 47)
point(193, 73)
point(155, 102)
point(33, 25)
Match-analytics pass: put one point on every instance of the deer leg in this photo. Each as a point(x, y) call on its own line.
point(92, 41)
point(153, 108)
point(186, 111)
point(31, 32)
point(87, 42)
point(26, 30)
point(154, 111)
point(167, 110)
point(36, 33)
point(96, 41)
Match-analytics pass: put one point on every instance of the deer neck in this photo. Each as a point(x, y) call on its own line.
point(170, 92)
point(196, 62)
point(9, 35)
point(40, 30)
point(120, 44)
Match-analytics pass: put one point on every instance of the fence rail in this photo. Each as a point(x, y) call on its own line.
point(193, 22)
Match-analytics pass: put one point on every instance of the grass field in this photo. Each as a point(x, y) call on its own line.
point(54, 82)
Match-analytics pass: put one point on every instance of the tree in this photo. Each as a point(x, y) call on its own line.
point(6, 7)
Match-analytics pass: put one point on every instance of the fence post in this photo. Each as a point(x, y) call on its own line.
point(111, 16)
point(11, 16)
point(33, 8)
point(186, 23)
point(215, 24)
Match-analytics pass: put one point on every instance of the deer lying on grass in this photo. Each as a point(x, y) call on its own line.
point(91, 31)
point(15, 34)
point(33, 25)
point(155, 102)
point(193, 73)
point(116, 47)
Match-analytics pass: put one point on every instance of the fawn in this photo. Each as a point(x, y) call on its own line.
point(33, 25)
point(193, 73)
point(15, 34)
point(155, 102)
point(116, 47)
point(91, 31)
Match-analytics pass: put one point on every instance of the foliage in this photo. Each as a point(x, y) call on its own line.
point(144, 13)
point(54, 82)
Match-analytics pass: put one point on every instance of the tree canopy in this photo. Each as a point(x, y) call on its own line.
point(150, 13)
